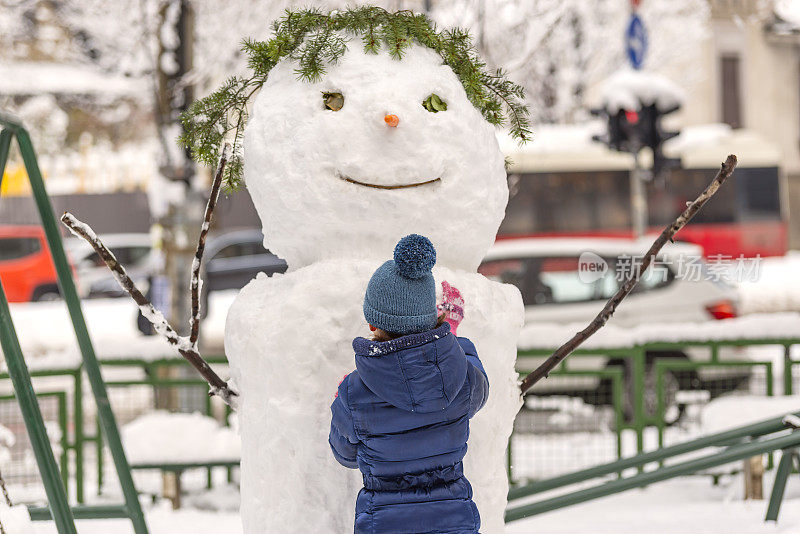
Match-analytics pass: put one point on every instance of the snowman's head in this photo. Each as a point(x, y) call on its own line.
point(349, 183)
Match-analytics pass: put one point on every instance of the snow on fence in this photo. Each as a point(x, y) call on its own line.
point(764, 326)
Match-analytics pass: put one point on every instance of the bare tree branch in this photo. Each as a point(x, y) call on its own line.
point(194, 322)
point(7, 498)
point(156, 318)
point(3, 488)
point(608, 310)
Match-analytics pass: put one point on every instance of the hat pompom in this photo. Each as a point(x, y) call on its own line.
point(414, 256)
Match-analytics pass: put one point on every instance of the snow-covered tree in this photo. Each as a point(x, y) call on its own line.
point(558, 49)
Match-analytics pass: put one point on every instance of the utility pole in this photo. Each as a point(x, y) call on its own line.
point(482, 26)
point(636, 44)
point(639, 212)
point(181, 221)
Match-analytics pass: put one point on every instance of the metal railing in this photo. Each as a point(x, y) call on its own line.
point(738, 447)
point(83, 453)
point(642, 371)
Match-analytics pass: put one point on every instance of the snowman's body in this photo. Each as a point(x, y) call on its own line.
point(289, 337)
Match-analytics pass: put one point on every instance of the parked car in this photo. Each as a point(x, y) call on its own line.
point(234, 258)
point(26, 267)
point(133, 250)
point(230, 261)
point(547, 272)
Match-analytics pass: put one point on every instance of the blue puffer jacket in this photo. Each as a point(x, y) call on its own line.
point(402, 418)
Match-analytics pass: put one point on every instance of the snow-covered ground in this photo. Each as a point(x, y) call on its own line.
point(112, 325)
point(686, 504)
point(677, 506)
point(160, 520)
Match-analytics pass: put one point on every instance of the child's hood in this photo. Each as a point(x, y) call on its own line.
point(419, 373)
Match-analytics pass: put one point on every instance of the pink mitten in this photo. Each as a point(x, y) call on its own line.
point(452, 306)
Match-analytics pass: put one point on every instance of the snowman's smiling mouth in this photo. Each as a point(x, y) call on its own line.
point(380, 186)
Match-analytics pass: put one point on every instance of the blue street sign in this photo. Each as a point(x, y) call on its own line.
point(636, 41)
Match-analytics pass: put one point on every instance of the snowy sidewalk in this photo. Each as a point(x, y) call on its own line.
point(162, 520)
point(675, 507)
point(678, 506)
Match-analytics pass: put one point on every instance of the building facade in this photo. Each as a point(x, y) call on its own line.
point(752, 64)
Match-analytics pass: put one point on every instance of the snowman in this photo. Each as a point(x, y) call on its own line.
point(339, 169)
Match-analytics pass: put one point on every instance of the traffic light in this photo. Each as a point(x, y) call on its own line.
point(622, 130)
point(654, 136)
point(631, 130)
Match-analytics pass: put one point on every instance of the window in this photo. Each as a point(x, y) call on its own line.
point(656, 276)
point(682, 186)
point(130, 255)
point(233, 251)
point(753, 195)
point(731, 93)
point(237, 250)
point(759, 193)
point(567, 202)
point(13, 248)
point(549, 280)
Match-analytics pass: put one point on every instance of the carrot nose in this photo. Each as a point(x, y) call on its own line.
point(392, 120)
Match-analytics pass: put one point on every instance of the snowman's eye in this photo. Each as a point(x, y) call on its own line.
point(333, 101)
point(434, 103)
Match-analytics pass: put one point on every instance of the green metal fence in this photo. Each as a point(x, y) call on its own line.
point(163, 386)
point(19, 470)
point(537, 446)
point(68, 393)
point(137, 386)
point(648, 404)
point(601, 425)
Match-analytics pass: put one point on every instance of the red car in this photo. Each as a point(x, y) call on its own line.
point(26, 268)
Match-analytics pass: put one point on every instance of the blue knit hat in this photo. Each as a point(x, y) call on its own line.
point(401, 295)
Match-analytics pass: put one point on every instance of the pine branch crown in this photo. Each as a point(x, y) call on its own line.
point(313, 40)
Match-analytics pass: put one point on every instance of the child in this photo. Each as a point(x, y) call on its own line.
point(402, 417)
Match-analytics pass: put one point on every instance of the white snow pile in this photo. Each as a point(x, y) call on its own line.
point(112, 325)
point(699, 135)
point(789, 11)
point(15, 519)
point(557, 138)
point(165, 437)
point(756, 326)
point(777, 287)
point(7, 440)
point(731, 411)
point(630, 89)
point(41, 77)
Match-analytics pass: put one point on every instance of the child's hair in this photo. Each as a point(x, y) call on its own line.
point(383, 335)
